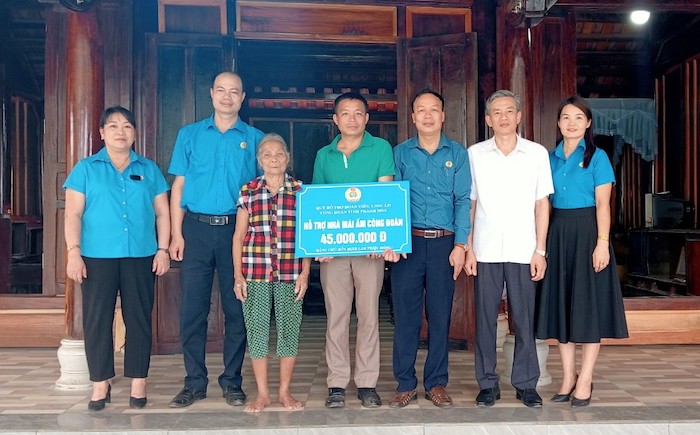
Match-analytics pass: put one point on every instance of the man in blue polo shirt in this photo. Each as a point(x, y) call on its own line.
point(440, 177)
point(211, 160)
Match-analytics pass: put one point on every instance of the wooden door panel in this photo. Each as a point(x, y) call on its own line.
point(170, 105)
point(166, 331)
point(166, 316)
point(422, 69)
point(448, 65)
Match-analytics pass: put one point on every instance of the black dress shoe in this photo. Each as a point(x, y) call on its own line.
point(187, 396)
point(99, 405)
point(369, 397)
point(234, 395)
point(137, 402)
point(488, 397)
point(336, 398)
point(577, 403)
point(529, 397)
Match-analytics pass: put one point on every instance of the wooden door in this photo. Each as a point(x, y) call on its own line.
point(446, 64)
point(178, 70)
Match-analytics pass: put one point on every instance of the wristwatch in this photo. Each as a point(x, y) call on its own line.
point(463, 246)
point(541, 252)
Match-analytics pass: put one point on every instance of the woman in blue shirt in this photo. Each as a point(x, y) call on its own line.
point(117, 229)
point(581, 299)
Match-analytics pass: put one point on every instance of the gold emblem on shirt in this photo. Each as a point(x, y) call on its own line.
point(244, 145)
point(448, 164)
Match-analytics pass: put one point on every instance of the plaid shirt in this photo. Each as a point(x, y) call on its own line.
point(268, 248)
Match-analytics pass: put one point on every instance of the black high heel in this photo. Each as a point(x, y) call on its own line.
point(99, 405)
point(560, 398)
point(577, 403)
point(137, 402)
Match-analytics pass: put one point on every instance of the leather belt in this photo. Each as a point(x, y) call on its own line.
point(431, 234)
point(211, 219)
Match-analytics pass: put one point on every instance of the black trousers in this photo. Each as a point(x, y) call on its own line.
point(423, 279)
point(208, 249)
point(133, 280)
point(521, 291)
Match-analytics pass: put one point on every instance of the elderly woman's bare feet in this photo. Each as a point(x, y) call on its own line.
point(258, 404)
point(290, 403)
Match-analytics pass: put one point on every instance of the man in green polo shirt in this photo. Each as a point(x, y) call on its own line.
point(354, 156)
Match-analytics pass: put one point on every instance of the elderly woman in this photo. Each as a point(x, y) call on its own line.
point(117, 229)
point(266, 271)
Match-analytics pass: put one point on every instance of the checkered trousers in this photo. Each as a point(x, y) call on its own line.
point(268, 248)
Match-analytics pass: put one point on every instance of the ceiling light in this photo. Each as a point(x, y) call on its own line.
point(640, 17)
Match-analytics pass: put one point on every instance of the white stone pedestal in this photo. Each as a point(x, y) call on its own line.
point(542, 354)
point(74, 368)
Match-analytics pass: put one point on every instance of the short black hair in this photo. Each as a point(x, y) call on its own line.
point(428, 91)
point(108, 112)
point(349, 96)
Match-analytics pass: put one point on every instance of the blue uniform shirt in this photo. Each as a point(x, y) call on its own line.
point(574, 185)
point(215, 164)
point(440, 185)
point(119, 220)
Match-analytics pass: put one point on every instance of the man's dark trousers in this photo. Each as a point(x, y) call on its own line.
point(208, 248)
point(426, 275)
point(488, 292)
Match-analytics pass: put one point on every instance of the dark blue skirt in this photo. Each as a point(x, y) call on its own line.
point(575, 303)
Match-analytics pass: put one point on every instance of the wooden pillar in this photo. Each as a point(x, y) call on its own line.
point(513, 71)
point(84, 105)
point(538, 64)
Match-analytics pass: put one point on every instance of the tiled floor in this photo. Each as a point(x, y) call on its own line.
point(638, 390)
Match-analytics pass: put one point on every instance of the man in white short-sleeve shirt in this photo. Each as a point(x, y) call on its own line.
point(511, 184)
